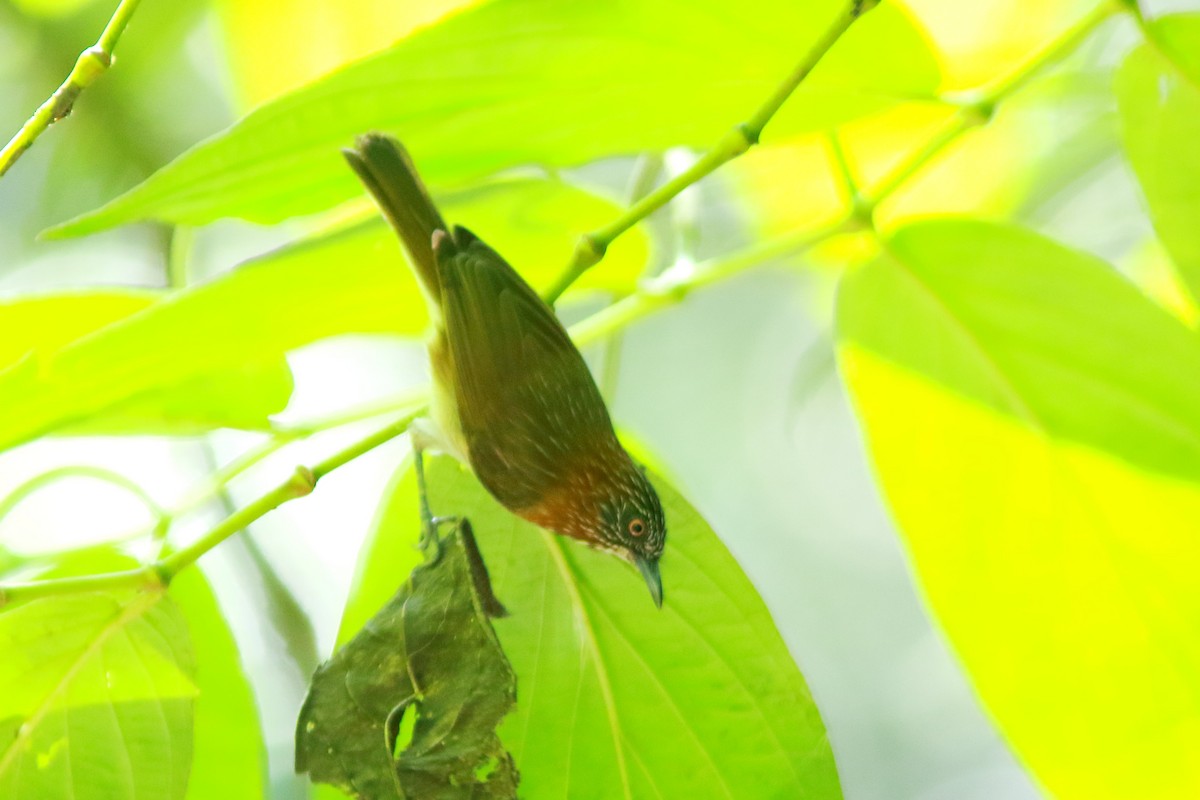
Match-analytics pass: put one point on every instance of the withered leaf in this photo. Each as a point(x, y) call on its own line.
point(408, 708)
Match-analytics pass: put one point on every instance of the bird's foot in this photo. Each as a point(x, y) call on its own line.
point(430, 542)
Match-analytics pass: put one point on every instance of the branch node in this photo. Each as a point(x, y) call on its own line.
point(92, 64)
point(302, 482)
point(740, 139)
point(159, 575)
point(862, 211)
point(588, 251)
point(666, 289)
point(64, 102)
point(976, 108)
point(980, 112)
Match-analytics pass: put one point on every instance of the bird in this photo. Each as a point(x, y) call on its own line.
point(512, 397)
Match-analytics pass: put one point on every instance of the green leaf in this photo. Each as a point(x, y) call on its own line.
point(229, 757)
point(228, 754)
point(1158, 88)
point(1050, 336)
point(616, 698)
point(1029, 416)
point(35, 398)
point(517, 82)
point(427, 668)
point(247, 317)
point(96, 697)
point(238, 396)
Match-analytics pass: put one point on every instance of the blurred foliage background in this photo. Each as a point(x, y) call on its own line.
point(735, 392)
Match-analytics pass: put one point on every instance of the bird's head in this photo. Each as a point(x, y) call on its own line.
point(611, 508)
point(632, 526)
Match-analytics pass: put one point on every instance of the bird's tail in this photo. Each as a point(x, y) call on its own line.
point(385, 169)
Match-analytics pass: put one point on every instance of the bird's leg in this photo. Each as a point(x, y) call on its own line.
point(421, 437)
point(429, 543)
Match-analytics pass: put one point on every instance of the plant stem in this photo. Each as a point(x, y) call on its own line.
point(962, 121)
point(978, 110)
point(37, 482)
point(160, 573)
point(1059, 48)
point(179, 251)
point(646, 173)
point(742, 137)
point(670, 289)
point(848, 183)
point(91, 64)
point(279, 439)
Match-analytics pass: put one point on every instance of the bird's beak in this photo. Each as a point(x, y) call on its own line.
point(649, 569)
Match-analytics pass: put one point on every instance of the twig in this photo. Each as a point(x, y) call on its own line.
point(91, 64)
point(977, 111)
point(15, 497)
point(592, 246)
point(668, 291)
point(160, 573)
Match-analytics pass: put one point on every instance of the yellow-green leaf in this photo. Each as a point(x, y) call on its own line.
point(163, 359)
point(1028, 327)
point(278, 45)
point(1035, 424)
point(1065, 580)
point(518, 82)
point(38, 332)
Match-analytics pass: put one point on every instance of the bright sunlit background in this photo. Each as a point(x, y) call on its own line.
point(735, 390)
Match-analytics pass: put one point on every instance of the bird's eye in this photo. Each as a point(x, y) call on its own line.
point(636, 526)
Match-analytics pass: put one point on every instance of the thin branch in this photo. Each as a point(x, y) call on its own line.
point(978, 109)
point(160, 573)
point(848, 184)
point(91, 64)
point(17, 496)
point(646, 173)
point(592, 246)
point(962, 121)
point(179, 253)
point(670, 290)
point(406, 401)
point(280, 438)
point(1059, 48)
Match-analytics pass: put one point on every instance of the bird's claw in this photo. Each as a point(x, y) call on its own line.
point(430, 542)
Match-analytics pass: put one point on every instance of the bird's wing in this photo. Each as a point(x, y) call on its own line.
point(524, 394)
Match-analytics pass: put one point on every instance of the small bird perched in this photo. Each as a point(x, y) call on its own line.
point(512, 396)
